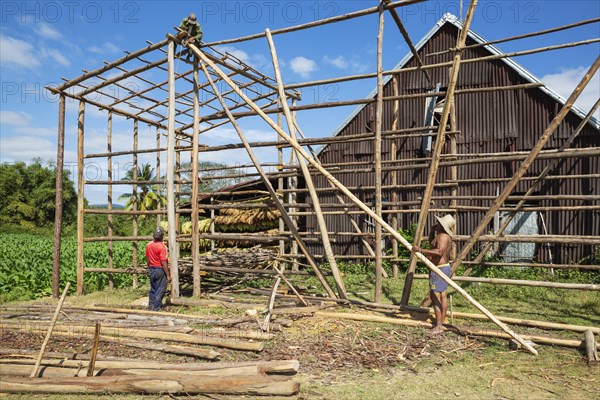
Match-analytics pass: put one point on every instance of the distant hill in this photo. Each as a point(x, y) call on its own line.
point(104, 206)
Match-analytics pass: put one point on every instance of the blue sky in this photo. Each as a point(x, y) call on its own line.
point(44, 41)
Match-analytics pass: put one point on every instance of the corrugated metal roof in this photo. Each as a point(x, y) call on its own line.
point(450, 18)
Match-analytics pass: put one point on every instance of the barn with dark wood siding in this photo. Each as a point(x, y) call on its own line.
point(488, 122)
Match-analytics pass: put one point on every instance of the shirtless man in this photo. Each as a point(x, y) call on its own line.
point(440, 239)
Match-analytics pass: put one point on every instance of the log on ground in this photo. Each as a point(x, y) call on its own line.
point(248, 385)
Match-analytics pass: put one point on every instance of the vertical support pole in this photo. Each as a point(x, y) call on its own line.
point(378, 192)
point(453, 173)
point(58, 200)
point(109, 202)
point(158, 177)
point(280, 180)
point(440, 140)
point(394, 176)
point(173, 261)
point(195, 143)
point(134, 204)
point(212, 225)
point(327, 250)
point(278, 203)
point(80, 196)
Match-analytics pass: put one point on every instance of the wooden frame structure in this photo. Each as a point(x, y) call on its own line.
point(198, 106)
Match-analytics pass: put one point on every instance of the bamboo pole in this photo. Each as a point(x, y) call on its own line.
point(453, 175)
point(526, 35)
point(271, 190)
point(80, 196)
point(439, 146)
point(377, 159)
point(287, 282)
point(109, 66)
point(342, 203)
point(38, 361)
point(394, 176)
point(170, 176)
point(466, 249)
point(312, 24)
point(134, 193)
point(158, 189)
point(409, 42)
point(195, 143)
point(137, 333)
point(280, 185)
point(109, 200)
point(58, 200)
point(339, 282)
point(462, 330)
point(359, 203)
point(521, 282)
point(92, 364)
point(443, 64)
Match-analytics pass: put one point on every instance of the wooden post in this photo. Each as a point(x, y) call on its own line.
point(453, 174)
point(377, 156)
point(80, 196)
point(195, 144)
point(590, 346)
point(38, 361)
point(307, 178)
point(278, 203)
point(355, 200)
point(158, 177)
point(466, 249)
point(439, 146)
point(170, 175)
point(280, 185)
point(58, 200)
point(134, 193)
point(92, 363)
point(394, 176)
point(109, 200)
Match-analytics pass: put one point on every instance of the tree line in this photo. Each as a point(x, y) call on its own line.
point(27, 203)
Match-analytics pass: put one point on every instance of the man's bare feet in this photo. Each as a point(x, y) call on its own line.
point(436, 331)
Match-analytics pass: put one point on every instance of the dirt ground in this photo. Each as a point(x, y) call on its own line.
point(342, 359)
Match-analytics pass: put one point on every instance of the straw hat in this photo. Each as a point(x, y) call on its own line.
point(447, 222)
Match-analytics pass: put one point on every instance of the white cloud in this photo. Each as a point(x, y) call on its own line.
point(303, 66)
point(20, 122)
point(26, 148)
point(255, 60)
point(17, 53)
point(338, 62)
point(565, 81)
point(56, 56)
point(14, 118)
point(45, 31)
point(105, 48)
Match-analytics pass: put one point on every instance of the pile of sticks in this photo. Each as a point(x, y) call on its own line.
point(33, 371)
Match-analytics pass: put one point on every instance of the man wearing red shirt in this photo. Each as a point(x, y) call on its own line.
point(156, 255)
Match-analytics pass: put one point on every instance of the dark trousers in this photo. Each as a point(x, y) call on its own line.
point(158, 287)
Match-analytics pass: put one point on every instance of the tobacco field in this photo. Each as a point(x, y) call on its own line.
point(26, 265)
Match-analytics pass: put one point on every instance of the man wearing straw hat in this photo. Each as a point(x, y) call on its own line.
point(440, 240)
